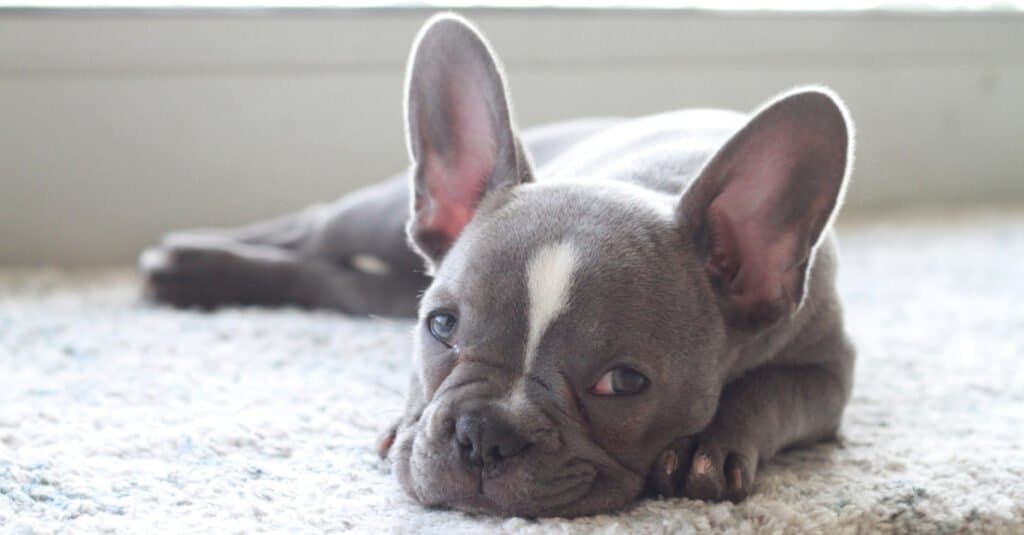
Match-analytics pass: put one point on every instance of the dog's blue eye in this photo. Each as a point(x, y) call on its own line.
point(442, 326)
point(621, 381)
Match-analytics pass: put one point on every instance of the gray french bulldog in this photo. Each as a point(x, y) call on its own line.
point(610, 306)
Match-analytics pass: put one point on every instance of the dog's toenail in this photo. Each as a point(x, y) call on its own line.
point(671, 462)
point(702, 464)
point(736, 477)
point(385, 445)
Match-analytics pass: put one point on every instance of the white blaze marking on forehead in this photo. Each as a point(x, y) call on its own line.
point(549, 277)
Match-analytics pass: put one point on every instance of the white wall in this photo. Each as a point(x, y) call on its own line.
point(116, 126)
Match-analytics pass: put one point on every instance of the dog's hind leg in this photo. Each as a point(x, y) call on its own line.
point(213, 274)
point(350, 256)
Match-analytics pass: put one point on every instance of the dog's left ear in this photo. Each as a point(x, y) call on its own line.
point(460, 132)
point(760, 206)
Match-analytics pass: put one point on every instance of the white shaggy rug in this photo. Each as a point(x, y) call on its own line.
point(115, 417)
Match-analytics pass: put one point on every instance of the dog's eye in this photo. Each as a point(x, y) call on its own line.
point(442, 326)
point(620, 381)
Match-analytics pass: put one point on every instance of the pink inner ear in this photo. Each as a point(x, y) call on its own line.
point(768, 195)
point(450, 205)
point(752, 246)
point(456, 172)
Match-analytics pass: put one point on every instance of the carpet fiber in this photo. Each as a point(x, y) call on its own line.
point(116, 417)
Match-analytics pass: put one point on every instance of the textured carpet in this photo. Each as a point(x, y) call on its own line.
point(116, 417)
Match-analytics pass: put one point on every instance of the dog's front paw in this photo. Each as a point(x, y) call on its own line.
point(704, 468)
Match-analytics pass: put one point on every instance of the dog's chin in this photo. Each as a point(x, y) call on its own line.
point(533, 486)
point(499, 497)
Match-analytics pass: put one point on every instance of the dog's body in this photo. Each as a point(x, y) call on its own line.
point(614, 304)
point(353, 255)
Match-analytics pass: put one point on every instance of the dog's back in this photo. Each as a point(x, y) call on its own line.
point(661, 152)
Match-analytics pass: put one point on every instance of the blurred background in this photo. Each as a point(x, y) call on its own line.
point(120, 121)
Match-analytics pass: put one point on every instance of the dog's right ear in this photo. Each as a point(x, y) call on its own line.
point(460, 133)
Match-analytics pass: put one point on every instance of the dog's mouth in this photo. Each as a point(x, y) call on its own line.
point(535, 494)
point(527, 487)
point(498, 497)
point(561, 471)
point(537, 485)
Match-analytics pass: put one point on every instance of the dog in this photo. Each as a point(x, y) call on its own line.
point(610, 307)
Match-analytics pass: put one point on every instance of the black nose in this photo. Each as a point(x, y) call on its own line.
point(484, 438)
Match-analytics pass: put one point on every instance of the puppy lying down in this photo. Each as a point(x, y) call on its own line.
point(610, 306)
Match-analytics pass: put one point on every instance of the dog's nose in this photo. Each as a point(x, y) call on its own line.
point(485, 438)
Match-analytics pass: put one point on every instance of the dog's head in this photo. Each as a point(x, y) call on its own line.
point(574, 329)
